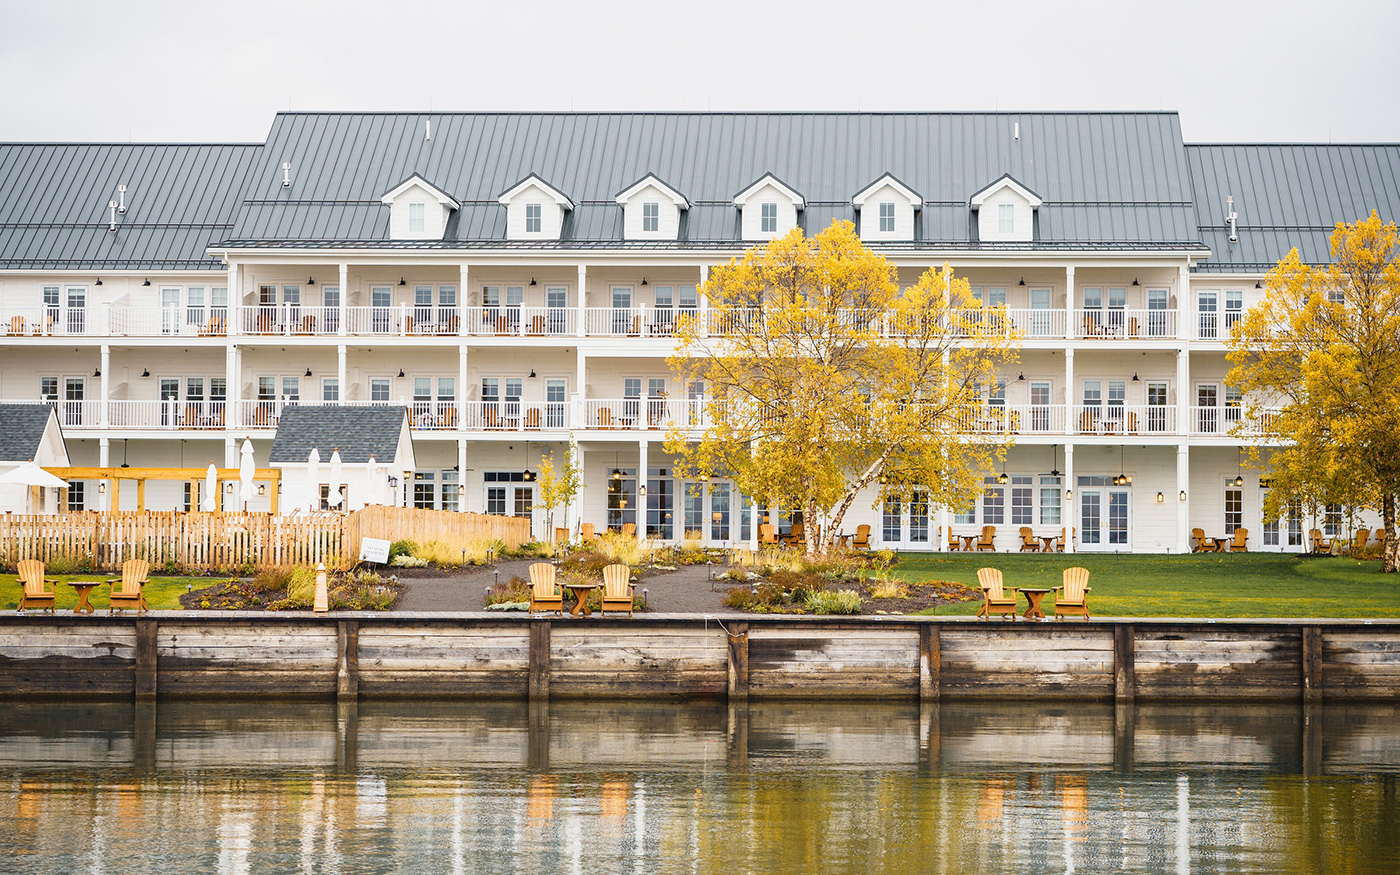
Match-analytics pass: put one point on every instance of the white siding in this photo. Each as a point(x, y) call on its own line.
point(753, 214)
point(670, 216)
point(987, 217)
point(551, 215)
point(903, 216)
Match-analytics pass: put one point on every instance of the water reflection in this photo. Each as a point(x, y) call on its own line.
point(698, 787)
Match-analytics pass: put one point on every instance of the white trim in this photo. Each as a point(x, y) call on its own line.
point(1005, 182)
point(441, 196)
point(558, 196)
point(652, 180)
point(915, 199)
point(768, 179)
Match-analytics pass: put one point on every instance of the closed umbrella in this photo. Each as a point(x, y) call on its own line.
point(334, 499)
point(246, 470)
point(372, 491)
point(313, 478)
point(211, 490)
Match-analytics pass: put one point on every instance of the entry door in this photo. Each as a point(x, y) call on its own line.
point(1104, 521)
point(1040, 317)
point(622, 310)
point(170, 310)
point(169, 398)
point(74, 393)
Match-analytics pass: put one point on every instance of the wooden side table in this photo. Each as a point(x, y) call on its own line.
point(83, 588)
point(1033, 596)
point(581, 592)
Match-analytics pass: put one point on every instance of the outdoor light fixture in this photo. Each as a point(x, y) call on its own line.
point(145, 372)
point(461, 489)
point(704, 477)
point(644, 280)
point(642, 490)
point(1001, 478)
point(1021, 378)
point(102, 488)
point(262, 489)
point(1135, 377)
point(1135, 282)
point(1160, 498)
point(532, 373)
point(1182, 496)
point(311, 281)
point(1258, 285)
point(97, 372)
point(1239, 473)
point(99, 281)
point(228, 487)
point(1054, 466)
point(400, 372)
point(532, 281)
point(308, 372)
point(393, 482)
point(1022, 282)
point(146, 282)
point(402, 281)
point(617, 474)
point(1239, 481)
point(1069, 495)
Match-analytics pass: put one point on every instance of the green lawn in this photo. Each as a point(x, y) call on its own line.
point(162, 593)
point(1240, 585)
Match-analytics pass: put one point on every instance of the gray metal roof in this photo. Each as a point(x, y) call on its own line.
point(179, 199)
point(1105, 177)
point(22, 430)
point(355, 431)
point(1288, 196)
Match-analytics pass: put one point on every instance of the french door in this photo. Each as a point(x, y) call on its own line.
point(1105, 524)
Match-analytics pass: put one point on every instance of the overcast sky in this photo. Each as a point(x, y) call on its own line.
point(198, 71)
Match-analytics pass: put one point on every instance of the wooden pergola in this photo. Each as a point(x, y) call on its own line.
point(193, 476)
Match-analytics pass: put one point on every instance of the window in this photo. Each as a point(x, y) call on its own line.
point(1207, 306)
point(330, 389)
point(423, 489)
point(651, 216)
point(966, 516)
point(1234, 507)
point(719, 512)
point(379, 389)
point(496, 500)
point(660, 503)
point(76, 496)
point(769, 216)
point(1234, 307)
point(891, 519)
point(1006, 218)
point(886, 217)
point(449, 490)
point(918, 517)
point(1022, 501)
point(415, 218)
point(622, 498)
point(1332, 520)
point(1050, 501)
point(532, 218)
point(1093, 299)
point(993, 503)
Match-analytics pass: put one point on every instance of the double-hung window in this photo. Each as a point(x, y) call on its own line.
point(886, 217)
point(1049, 501)
point(768, 215)
point(993, 503)
point(533, 212)
point(651, 216)
point(1006, 218)
point(379, 390)
point(415, 218)
point(1022, 501)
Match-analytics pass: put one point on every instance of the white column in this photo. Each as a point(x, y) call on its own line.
point(344, 299)
point(233, 387)
point(642, 446)
point(1069, 302)
point(230, 453)
point(1071, 419)
point(232, 322)
point(704, 301)
point(582, 301)
point(754, 518)
point(1183, 515)
point(1185, 326)
point(1069, 519)
point(104, 458)
point(1183, 392)
point(343, 390)
point(461, 387)
point(581, 389)
point(104, 416)
point(461, 470)
point(945, 523)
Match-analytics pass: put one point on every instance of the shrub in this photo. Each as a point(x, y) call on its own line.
point(513, 591)
point(408, 562)
point(841, 601)
point(618, 547)
point(61, 564)
point(741, 598)
point(531, 550)
point(401, 548)
point(301, 585)
point(889, 589)
point(272, 579)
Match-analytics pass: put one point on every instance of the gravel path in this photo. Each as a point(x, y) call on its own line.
point(688, 590)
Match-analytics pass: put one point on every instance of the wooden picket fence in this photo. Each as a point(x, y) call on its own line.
point(230, 541)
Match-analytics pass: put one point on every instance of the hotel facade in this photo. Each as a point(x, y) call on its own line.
point(514, 280)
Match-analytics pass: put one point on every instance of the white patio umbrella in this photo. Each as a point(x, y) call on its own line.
point(30, 474)
point(313, 478)
point(210, 502)
point(372, 491)
point(246, 470)
point(334, 499)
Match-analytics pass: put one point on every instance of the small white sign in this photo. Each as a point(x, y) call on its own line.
point(374, 550)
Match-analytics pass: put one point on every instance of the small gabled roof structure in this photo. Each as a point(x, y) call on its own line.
point(655, 181)
point(534, 179)
point(1006, 181)
point(769, 179)
point(32, 431)
point(355, 431)
point(893, 182)
point(416, 179)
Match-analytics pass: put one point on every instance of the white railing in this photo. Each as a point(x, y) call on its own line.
point(520, 321)
point(75, 414)
point(1119, 419)
point(168, 321)
point(291, 319)
point(1012, 419)
point(516, 415)
point(1223, 420)
point(643, 414)
point(1114, 324)
point(1216, 325)
point(170, 414)
point(46, 322)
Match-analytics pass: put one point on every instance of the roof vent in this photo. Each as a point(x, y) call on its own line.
point(1017, 131)
point(112, 222)
point(286, 174)
point(121, 199)
point(427, 129)
point(1231, 216)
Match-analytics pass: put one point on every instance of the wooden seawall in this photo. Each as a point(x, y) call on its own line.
point(373, 655)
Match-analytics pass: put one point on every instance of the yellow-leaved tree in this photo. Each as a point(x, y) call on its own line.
point(559, 484)
point(822, 377)
point(1323, 347)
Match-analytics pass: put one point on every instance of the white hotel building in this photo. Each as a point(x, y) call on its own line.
point(513, 280)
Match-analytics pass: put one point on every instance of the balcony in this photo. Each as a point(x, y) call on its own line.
point(44, 322)
point(1119, 419)
point(1114, 324)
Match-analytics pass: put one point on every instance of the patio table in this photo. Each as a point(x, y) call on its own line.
point(1048, 543)
point(83, 587)
point(581, 592)
point(1033, 596)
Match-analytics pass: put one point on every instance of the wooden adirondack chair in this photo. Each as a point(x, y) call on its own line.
point(994, 596)
point(1072, 597)
point(1201, 545)
point(1359, 543)
point(544, 594)
point(1240, 541)
point(126, 592)
point(1319, 543)
point(586, 532)
point(988, 539)
point(629, 529)
point(617, 590)
point(766, 535)
point(1028, 541)
point(33, 593)
point(795, 536)
point(862, 538)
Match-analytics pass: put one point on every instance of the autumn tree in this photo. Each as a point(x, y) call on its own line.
point(1324, 348)
point(559, 484)
point(822, 377)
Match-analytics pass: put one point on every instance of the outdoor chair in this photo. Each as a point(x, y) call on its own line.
point(1359, 543)
point(532, 419)
point(1028, 541)
point(954, 544)
point(988, 539)
point(1201, 544)
point(605, 417)
point(34, 594)
point(16, 326)
point(1060, 541)
point(862, 539)
point(1319, 543)
point(994, 596)
point(586, 532)
point(537, 325)
point(795, 537)
point(126, 591)
point(1072, 596)
point(766, 535)
point(1241, 539)
point(545, 595)
point(629, 529)
point(617, 590)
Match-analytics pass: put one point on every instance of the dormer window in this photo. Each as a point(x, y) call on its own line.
point(1005, 211)
point(534, 210)
point(418, 210)
point(768, 208)
point(887, 207)
point(886, 217)
point(1006, 219)
point(770, 218)
point(651, 216)
point(415, 218)
point(651, 210)
point(532, 218)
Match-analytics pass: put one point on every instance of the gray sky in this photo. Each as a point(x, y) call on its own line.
point(199, 71)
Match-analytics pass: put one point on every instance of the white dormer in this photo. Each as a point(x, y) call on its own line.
point(1006, 211)
point(887, 208)
point(418, 210)
point(651, 210)
point(768, 208)
point(534, 210)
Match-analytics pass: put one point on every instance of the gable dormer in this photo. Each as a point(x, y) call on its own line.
point(887, 208)
point(418, 210)
point(651, 210)
point(768, 208)
point(534, 210)
point(1005, 211)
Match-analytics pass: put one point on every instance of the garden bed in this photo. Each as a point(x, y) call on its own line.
point(293, 589)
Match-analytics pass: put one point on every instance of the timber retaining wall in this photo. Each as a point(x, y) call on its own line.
point(372, 655)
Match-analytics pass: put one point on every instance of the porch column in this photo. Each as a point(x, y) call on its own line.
point(703, 301)
point(461, 396)
point(104, 415)
point(755, 518)
point(1069, 519)
point(461, 474)
point(1069, 302)
point(1183, 514)
point(582, 301)
point(230, 452)
point(104, 458)
point(235, 300)
point(642, 446)
point(1184, 328)
point(465, 270)
point(580, 389)
point(945, 524)
point(344, 299)
point(1183, 392)
point(1070, 418)
point(233, 387)
point(341, 388)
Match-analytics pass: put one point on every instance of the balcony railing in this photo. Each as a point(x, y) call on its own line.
point(1012, 419)
point(44, 322)
point(643, 414)
point(168, 321)
point(520, 321)
point(1120, 419)
point(1114, 324)
point(170, 414)
point(1216, 325)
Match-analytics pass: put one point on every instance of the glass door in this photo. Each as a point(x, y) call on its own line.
point(661, 504)
point(1207, 408)
point(1207, 314)
point(169, 400)
point(622, 310)
point(1157, 407)
point(1040, 406)
point(170, 310)
point(1040, 315)
point(555, 398)
point(1090, 519)
point(1156, 312)
point(77, 309)
point(1105, 522)
point(74, 393)
point(557, 300)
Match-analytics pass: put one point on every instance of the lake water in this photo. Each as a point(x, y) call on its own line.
point(602, 787)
